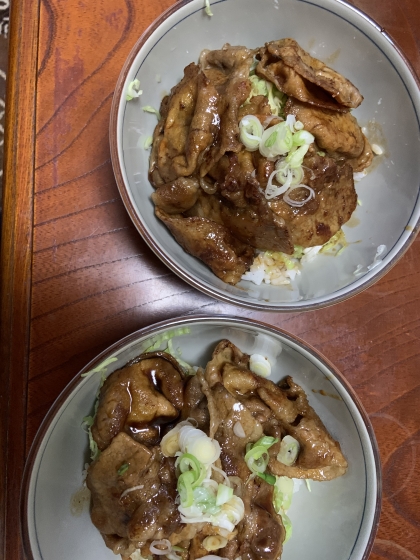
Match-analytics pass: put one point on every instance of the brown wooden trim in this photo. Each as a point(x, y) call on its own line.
point(16, 250)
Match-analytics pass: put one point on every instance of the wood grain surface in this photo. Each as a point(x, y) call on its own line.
point(76, 275)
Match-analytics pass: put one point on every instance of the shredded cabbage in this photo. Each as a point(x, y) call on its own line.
point(133, 90)
point(150, 109)
point(207, 8)
point(101, 368)
point(259, 86)
point(158, 343)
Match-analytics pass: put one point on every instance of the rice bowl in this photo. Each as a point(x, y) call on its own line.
point(390, 116)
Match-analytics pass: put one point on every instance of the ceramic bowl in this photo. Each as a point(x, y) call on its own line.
point(346, 39)
point(337, 520)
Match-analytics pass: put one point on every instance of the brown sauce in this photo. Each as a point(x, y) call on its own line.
point(325, 394)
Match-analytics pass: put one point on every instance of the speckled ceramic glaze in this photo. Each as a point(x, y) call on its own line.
point(337, 520)
point(348, 41)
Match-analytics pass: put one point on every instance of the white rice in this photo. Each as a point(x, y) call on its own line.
point(271, 268)
point(279, 269)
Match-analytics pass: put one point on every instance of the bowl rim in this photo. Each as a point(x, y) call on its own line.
point(167, 259)
point(315, 355)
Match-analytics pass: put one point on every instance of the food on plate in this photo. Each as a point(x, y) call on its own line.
point(199, 463)
point(254, 153)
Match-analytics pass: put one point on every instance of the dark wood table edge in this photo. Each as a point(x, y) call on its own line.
point(16, 251)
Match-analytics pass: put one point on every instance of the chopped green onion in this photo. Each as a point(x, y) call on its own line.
point(260, 365)
point(257, 459)
point(123, 469)
point(295, 156)
point(271, 139)
point(276, 140)
point(289, 450)
point(224, 494)
point(302, 137)
point(189, 463)
point(283, 493)
point(269, 478)
point(250, 132)
point(267, 441)
point(185, 488)
point(256, 456)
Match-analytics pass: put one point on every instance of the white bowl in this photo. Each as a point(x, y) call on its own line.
point(337, 520)
point(351, 43)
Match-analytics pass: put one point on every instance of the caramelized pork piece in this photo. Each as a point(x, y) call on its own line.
point(225, 411)
point(195, 404)
point(203, 130)
point(364, 160)
point(303, 77)
point(212, 243)
point(207, 206)
point(138, 399)
point(172, 131)
point(261, 534)
point(247, 214)
point(320, 457)
point(228, 68)
point(337, 133)
point(133, 496)
point(177, 196)
point(335, 201)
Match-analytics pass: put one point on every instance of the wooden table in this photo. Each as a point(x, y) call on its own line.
point(76, 276)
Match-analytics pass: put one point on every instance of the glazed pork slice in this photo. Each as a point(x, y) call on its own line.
point(261, 532)
point(133, 491)
point(138, 399)
point(320, 456)
point(337, 133)
point(212, 243)
point(199, 119)
point(322, 217)
point(178, 196)
point(247, 214)
point(306, 78)
point(228, 69)
point(171, 133)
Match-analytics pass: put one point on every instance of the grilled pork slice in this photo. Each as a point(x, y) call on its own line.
point(138, 399)
point(212, 243)
point(133, 490)
point(261, 533)
point(322, 217)
point(306, 78)
point(247, 214)
point(337, 133)
point(285, 411)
